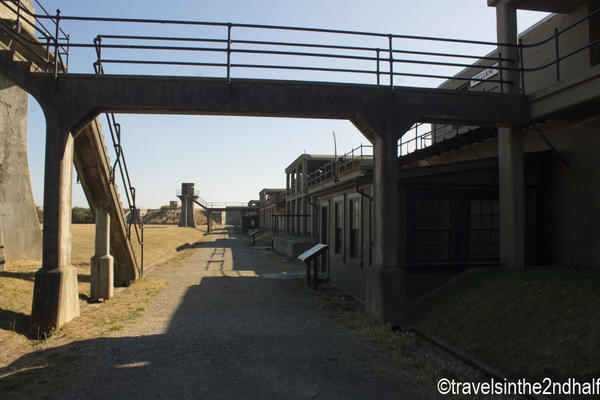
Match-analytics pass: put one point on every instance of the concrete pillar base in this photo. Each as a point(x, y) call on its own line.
point(55, 299)
point(102, 277)
point(385, 297)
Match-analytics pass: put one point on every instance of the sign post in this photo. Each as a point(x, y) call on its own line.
point(309, 256)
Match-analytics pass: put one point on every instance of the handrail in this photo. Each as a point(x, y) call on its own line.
point(385, 55)
point(356, 157)
point(421, 140)
point(24, 14)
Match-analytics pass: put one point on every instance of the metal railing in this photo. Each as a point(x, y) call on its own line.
point(58, 40)
point(378, 55)
point(358, 157)
point(409, 143)
point(213, 204)
point(128, 188)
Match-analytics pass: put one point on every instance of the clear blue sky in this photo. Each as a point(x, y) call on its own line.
point(233, 158)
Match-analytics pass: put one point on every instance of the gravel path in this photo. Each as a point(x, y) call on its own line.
point(221, 331)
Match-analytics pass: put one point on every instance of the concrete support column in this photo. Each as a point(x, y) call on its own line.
point(102, 263)
point(385, 294)
point(187, 212)
point(510, 154)
point(55, 297)
point(512, 197)
point(207, 221)
point(20, 227)
point(506, 32)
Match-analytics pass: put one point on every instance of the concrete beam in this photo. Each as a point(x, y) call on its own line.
point(556, 6)
point(55, 296)
point(94, 94)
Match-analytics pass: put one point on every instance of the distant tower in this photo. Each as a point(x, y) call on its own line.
point(187, 198)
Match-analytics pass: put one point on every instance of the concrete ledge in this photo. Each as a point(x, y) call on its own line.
point(292, 247)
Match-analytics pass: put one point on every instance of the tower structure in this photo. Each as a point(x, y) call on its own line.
point(187, 197)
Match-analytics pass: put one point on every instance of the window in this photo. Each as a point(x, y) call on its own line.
point(354, 210)
point(339, 223)
point(483, 229)
point(432, 226)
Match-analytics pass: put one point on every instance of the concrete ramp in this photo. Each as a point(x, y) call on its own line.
point(94, 170)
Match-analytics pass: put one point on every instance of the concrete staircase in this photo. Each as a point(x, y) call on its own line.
point(94, 170)
point(93, 167)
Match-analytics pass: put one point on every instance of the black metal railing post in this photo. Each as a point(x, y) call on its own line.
point(47, 53)
point(556, 50)
point(377, 53)
point(141, 247)
point(56, 44)
point(500, 74)
point(521, 66)
point(229, 53)
point(18, 22)
point(68, 51)
point(416, 136)
point(98, 42)
point(390, 37)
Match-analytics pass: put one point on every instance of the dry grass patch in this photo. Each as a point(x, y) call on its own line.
point(164, 247)
point(33, 368)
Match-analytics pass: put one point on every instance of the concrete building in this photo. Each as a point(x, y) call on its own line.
point(340, 196)
point(271, 203)
point(297, 220)
point(555, 155)
point(477, 196)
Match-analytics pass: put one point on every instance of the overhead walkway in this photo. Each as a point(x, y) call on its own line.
point(229, 69)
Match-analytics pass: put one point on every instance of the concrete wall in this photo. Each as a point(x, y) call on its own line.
point(292, 247)
point(570, 211)
point(345, 272)
point(20, 227)
point(545, 53)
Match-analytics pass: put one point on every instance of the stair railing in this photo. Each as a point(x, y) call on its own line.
point(130, 192)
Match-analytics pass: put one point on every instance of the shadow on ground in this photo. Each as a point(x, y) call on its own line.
point(15, 322)
point(230, 338)
point(26, 276)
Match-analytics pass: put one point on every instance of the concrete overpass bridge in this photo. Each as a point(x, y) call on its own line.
point(383, 113)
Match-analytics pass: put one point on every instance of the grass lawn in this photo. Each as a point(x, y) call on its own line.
point(532, 323)
point(164, 248)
